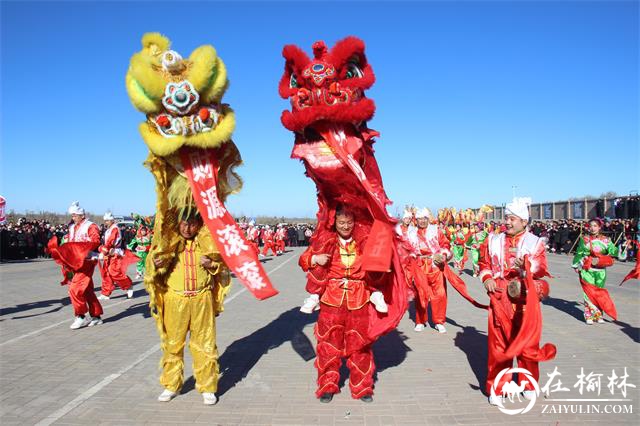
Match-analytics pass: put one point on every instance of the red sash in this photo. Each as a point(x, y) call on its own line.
point(201, 168)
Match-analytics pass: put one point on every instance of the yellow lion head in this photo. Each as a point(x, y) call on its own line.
point(181, 97)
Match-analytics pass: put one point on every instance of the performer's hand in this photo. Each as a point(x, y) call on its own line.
point(438, 259)
point(594, 261)
point(320, 259)
point(159, 262)
point(519, 262)
point(490, 285)
point(111, 252)
point(206, 262)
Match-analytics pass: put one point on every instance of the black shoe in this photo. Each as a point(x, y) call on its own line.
point(326, 397)
point(367, 398)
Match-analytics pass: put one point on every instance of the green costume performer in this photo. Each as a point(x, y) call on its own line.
point(458, 241)
point(593, 255)
point(478, 235)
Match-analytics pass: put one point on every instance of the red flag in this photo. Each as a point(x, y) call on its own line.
point(201, 168)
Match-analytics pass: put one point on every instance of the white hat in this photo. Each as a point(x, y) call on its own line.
point(108, 216)
point(75, 208)
point(251, 223)
point(519, 207)
point(407, 214)
point(422, 213)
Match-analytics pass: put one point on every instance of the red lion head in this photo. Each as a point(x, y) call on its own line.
point(328, 87)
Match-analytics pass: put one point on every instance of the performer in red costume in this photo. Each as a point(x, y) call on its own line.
point(112, 254)
point(329, 114)
point(405, 228)
point(512, 265)
point(78, 259)
point(252, 235)
point(267, 239)
point(343, 322)
point(432, 251)
point(280, 236)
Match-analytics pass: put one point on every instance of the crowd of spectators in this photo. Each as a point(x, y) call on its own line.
point(27, 239)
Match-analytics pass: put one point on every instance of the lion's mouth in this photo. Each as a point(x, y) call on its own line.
point(323, 96)
point(205, 120)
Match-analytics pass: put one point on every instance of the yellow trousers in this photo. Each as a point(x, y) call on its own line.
point(194, 314)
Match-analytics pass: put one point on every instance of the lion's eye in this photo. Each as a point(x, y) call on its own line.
point(353, 70)
point(293, 81)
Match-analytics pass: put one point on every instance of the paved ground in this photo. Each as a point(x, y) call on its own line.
point(108, 374)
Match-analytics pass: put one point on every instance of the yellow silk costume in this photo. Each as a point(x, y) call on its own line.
point(191, 301)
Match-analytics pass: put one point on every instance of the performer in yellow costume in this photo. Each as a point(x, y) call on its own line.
point(195, 240)
point(196, 283)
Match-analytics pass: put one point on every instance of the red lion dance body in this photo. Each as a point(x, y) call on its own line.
point(329, 112)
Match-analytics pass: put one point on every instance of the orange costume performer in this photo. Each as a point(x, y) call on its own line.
point(515, 317)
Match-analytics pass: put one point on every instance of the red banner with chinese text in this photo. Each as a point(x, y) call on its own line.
point(201, 168)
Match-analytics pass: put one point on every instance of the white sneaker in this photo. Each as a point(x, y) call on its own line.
point(138, 275)
point(589, 322)
point(103, 297)
point(209, 398)
point(166, 395)
point(440, 328)
point(529, 394)
point(495, 400)
point(79, 322)
point(600, 321)
point(130, 293)
point(419, 327)
point(310, 304)
point(95, 321)
point(377, 298)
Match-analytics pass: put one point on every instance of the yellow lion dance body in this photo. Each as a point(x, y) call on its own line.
point(182, 101)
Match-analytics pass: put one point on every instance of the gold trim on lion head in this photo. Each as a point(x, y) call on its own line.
point(181, 97)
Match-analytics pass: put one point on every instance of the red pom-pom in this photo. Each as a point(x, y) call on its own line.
point(204, 114)
point(163, 121)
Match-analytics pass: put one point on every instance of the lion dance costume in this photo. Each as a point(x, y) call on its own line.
point(329, 112)
point(192, 157)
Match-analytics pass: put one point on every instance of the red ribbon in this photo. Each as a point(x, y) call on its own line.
point(201, 168)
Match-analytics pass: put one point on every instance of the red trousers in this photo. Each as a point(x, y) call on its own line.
point(280, 246)
point(497, 344)
point(434, 292)
point(340, 334)
point(81, 291)
point(113, 274)
point(269, 245)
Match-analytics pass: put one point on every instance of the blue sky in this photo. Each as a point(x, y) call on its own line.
point(472, 98)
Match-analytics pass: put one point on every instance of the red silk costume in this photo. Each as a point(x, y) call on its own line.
point(515, 326)
point(429, 281)
point(280, 236)
point(74, 256)
point(343, 322)
point(113, 265)
point(329, 114)
point(267, 239)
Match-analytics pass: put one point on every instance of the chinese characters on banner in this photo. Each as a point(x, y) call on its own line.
point(201, 168)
